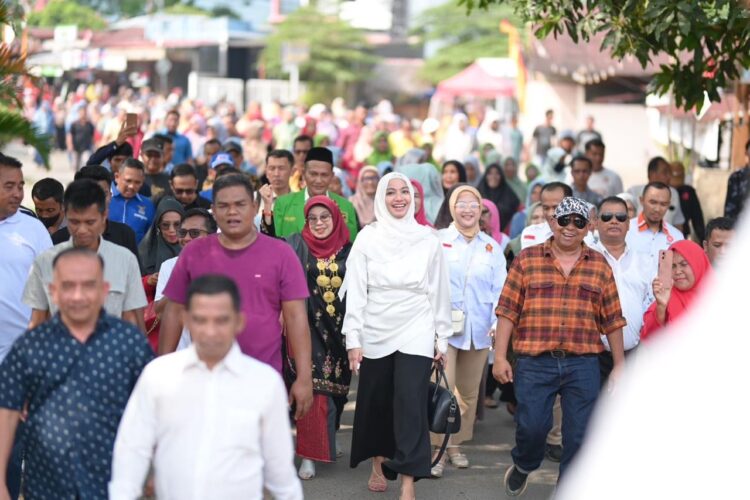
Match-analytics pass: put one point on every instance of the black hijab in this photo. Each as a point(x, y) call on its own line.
point(502, 196)
point(462, 179)
point(154, 250)
point(444, 217)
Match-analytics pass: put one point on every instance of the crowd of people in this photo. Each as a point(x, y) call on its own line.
point(268, 258)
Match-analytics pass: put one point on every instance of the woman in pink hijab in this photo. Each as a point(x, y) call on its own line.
point(489, 222)
point(419, 212)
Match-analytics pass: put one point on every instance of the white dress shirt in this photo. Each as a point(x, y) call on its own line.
point(477, 275)
point(633, 274)
point(221, 433)
point(642, 239)
point(399, 305)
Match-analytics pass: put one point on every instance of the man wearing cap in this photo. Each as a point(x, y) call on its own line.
point(288, 216)
point(219, 162)
point(234, 148)
point(152, 156)
point(558, 299)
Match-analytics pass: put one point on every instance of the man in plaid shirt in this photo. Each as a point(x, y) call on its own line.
point(558, 298)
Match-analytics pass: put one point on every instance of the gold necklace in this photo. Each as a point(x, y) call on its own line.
point(328, 284)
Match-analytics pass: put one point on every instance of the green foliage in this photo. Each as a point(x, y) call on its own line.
point(61, 12)
point(465, 38)
point(13, 125)
point(224, 11)
point(339, 53)
point(186, 9)
point(708, 40)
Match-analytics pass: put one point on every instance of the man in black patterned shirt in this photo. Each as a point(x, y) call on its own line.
point(737, 188)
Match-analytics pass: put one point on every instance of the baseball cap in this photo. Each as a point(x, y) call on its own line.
point(152, 145)
point(232, 146)
point(572, 206)
point(221, 159)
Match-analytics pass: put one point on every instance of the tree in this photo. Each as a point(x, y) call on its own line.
point(708, 40)
point(463, 38)
point(13, 68)
point(61, 12)
point(339, 54)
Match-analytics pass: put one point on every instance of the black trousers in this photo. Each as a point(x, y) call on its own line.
point(390, 419)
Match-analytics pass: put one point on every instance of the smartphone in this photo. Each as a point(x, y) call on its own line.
point(131, 120)
point(665, 268)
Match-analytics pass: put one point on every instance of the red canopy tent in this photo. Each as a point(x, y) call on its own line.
point(487, 78)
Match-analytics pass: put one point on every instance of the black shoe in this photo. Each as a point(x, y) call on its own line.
point(553, 452)
point(515, 482)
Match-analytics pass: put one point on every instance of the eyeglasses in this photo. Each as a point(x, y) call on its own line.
point(463, 205)
point(194, 233)
point(165, 226)
point(620, 216)
point(181, 192)
point(314, 220)
point(578, 222)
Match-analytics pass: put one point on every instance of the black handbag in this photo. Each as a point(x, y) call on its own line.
point(443, 413)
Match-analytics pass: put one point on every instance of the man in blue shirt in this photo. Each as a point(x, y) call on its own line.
point(183, 151)
point(76, 373)
point(127, 206)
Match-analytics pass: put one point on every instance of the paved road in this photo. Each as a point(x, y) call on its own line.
point(489, 452)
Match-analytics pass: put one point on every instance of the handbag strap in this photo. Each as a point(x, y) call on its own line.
point(440, 375)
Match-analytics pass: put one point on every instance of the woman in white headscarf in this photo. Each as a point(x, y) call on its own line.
point(458, 142)
point(397, 322)
point(489, 131)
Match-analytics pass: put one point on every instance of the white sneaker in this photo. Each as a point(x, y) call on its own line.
point(339, 451)
point(306, 469)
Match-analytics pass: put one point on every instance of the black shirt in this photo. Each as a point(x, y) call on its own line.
point(691, 209)
point(116, 232)
point(200, 202)
point(159, 185)
point(82, 136)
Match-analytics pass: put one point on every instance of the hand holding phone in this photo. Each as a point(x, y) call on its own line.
point(131, 121)
point(665, 268)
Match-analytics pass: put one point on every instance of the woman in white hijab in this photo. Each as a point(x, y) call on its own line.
point(489, 131)
point(458, 142)
point(397, 322)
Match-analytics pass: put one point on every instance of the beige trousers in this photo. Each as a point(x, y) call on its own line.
point(464, 374)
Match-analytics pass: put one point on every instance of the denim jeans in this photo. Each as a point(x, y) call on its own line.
point(537, 381)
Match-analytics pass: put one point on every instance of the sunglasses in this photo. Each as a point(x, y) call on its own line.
point(164, 226)
point(578, 222)
point(194, 233)
point(181, 192)
point(620, 216)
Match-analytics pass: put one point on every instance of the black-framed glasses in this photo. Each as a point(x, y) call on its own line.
point(578, 222)
point(620, 216)
point(181, 192)
point(194, 233)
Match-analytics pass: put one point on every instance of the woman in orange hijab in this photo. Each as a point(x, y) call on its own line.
point(690, 268)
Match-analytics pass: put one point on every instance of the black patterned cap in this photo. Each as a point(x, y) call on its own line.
point(572, 206)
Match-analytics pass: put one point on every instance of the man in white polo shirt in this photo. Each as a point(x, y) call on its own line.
point(85, 209)
point(649, 232)
point(22, 239)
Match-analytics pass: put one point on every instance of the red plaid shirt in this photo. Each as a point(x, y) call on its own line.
point(551, 311)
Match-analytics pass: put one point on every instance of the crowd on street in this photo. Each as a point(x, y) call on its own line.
point(184, 319)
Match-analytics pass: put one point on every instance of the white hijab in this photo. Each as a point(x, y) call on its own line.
point(389, 238)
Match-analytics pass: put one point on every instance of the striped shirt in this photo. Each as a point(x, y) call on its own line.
point(551, 311)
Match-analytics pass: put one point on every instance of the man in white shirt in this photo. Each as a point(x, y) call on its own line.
point(633, 274)
point(551, 196)
point(659, 170)
point(214, 421)
point(650, 232)
point(22, 239)
point(604, 181)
